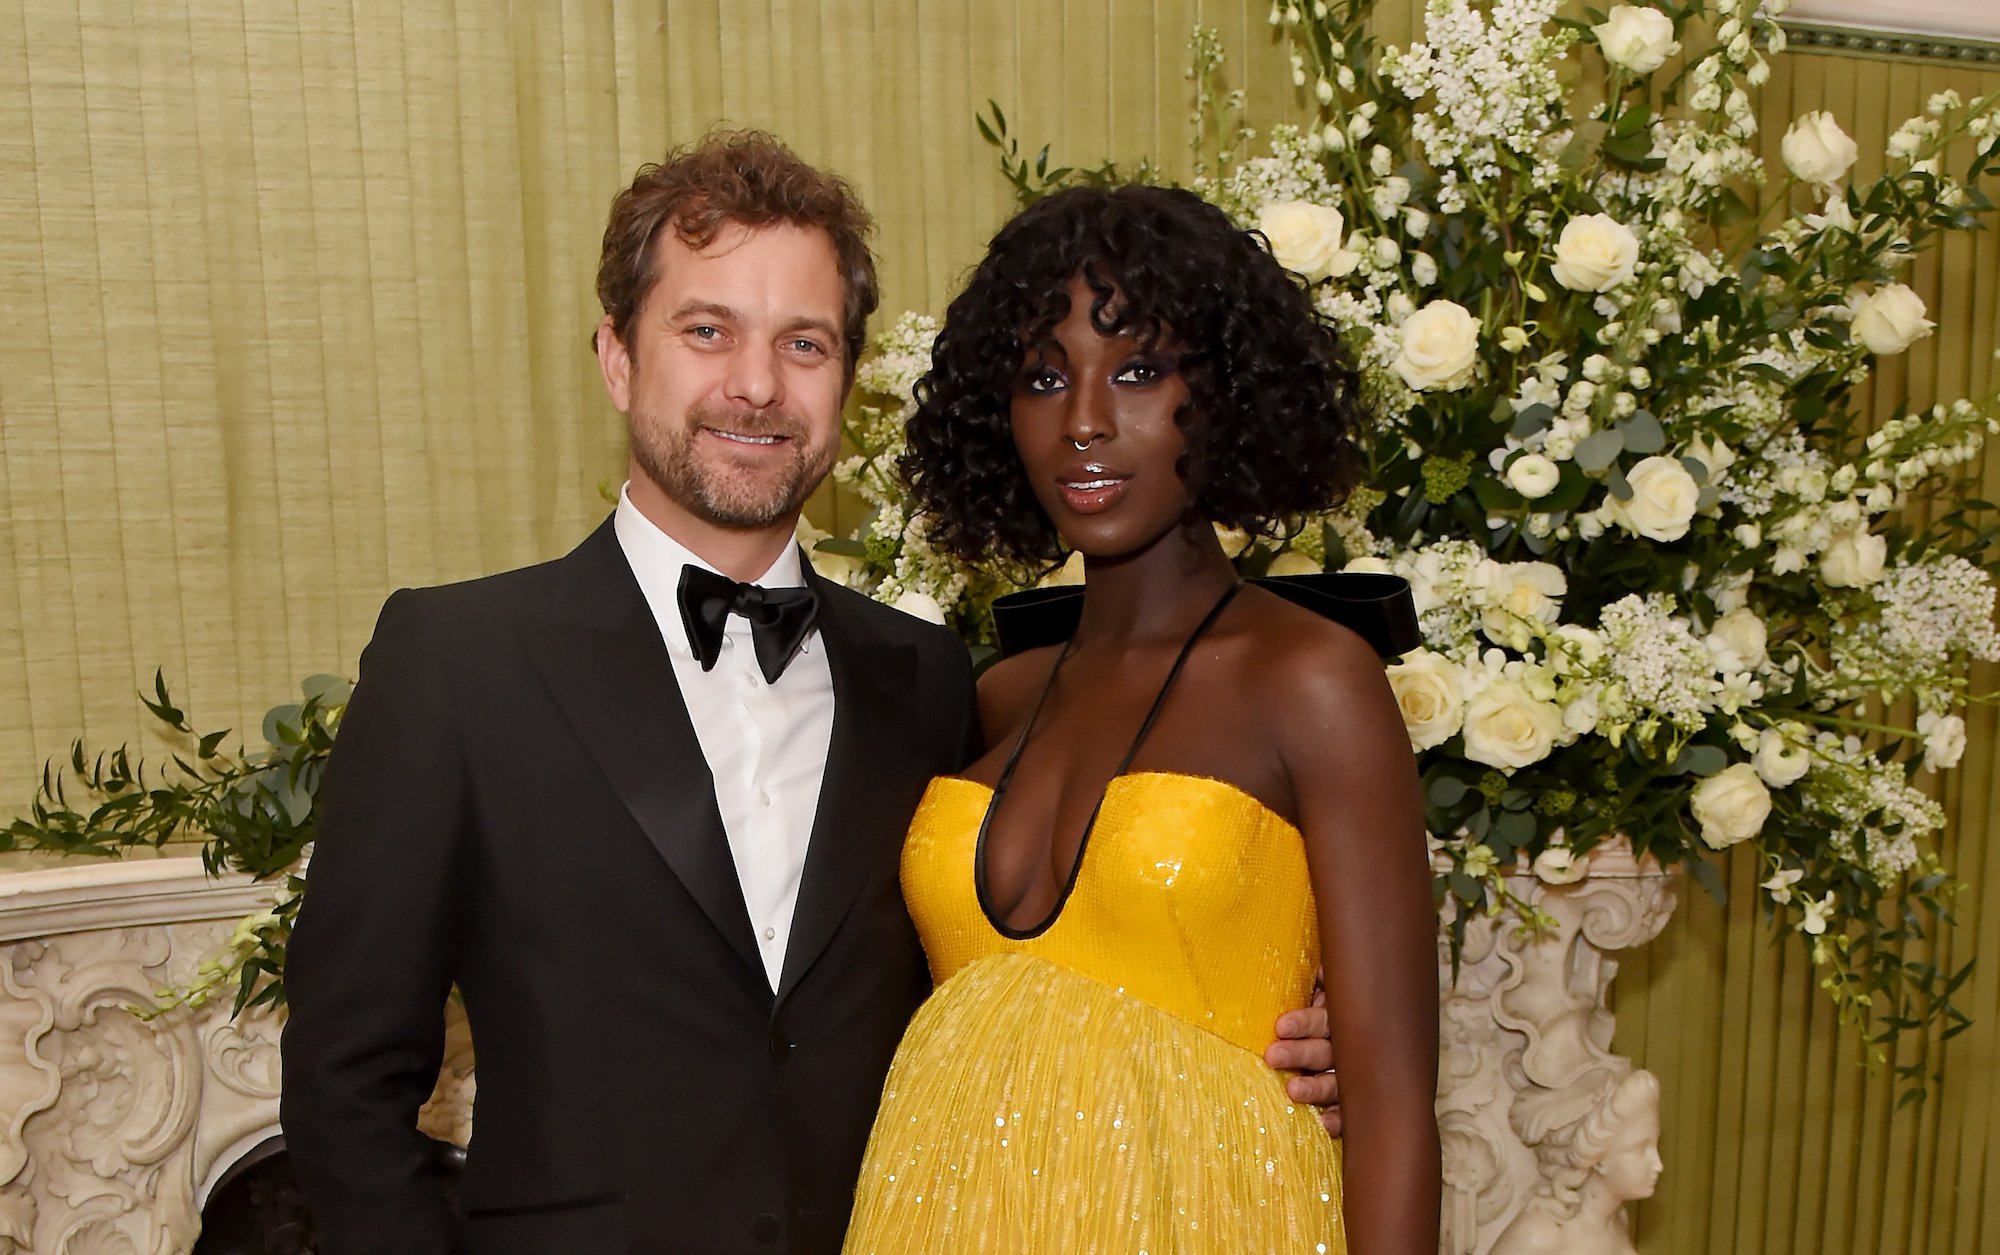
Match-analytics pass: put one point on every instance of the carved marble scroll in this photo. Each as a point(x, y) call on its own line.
point(112, 1127)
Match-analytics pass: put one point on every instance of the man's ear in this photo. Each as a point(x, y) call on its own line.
point(614, 362)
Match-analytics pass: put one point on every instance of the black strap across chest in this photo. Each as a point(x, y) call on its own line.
point(1124, 764)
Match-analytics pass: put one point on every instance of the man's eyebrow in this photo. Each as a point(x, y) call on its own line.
point(820, 325)
point(710, 308)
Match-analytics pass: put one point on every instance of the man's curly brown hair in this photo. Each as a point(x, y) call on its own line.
point(745, 177)
point(1272, 400)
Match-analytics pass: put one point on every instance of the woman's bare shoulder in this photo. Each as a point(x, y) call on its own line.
point(1010, 686)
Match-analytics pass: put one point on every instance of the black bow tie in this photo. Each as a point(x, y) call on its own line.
point(779, 618)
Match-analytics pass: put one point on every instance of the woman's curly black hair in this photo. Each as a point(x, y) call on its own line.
point(1272, 402)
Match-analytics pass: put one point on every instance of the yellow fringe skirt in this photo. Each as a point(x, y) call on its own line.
point(1033, 1110)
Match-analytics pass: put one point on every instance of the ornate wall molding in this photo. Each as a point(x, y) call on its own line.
point(1967, 19)
point(116, 1128)
point(1895, 45)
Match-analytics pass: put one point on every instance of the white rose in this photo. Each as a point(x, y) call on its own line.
point(1425, 573)
point(1595, 253)
point(1507, 728)
point(1637, 39)
point(839, 567)
point(1532, 475)
point(1517, 594)
point(1559, 865)
point(1737, 641)
point(1664, 496)
point(1292, 562)
point(1440, 347)
point(1731, 806)
point(920, 604)
point(1854, 559)
point(1306, 238)
point(1713, 454)
point(1574, 645)
point(1780, 760)
point(1944, 740)
point(1816, 150)
point(1890, 319)
point(1581, 713)
point(1431, 695)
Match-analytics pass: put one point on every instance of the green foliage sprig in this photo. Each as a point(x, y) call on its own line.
point(251, 811)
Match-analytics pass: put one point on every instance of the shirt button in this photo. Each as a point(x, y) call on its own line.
point(770, 934)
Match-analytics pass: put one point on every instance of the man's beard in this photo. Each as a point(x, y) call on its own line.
point(731, 495)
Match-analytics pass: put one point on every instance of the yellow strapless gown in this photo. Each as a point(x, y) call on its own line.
point(1100, 1086)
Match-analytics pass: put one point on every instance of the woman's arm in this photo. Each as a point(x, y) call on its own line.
point(1354, 777)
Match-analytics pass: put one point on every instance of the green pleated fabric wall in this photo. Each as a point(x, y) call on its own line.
point(297, 293)
point(1775, 1141)
point(293, 307)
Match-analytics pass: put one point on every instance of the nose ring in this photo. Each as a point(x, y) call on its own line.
point(1081, 445)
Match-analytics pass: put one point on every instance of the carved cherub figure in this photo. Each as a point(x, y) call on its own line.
point(1592, 1164)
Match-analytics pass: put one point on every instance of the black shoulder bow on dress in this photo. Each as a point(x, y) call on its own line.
point(1375, 605)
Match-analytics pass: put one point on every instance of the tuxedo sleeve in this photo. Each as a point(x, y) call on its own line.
point(370, 962)
point(970, 739)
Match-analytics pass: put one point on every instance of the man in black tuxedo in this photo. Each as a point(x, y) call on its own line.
point(643, 804)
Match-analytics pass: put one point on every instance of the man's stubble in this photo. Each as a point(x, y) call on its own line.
point(732, 496)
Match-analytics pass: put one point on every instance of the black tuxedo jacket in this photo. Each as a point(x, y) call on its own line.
point(517, 805)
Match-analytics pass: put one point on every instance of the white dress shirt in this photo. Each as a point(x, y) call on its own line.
point(765, 743)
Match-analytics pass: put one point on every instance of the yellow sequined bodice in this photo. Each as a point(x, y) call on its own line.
point(1192, 896)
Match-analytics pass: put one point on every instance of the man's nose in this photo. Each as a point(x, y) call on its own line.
point(753, 378)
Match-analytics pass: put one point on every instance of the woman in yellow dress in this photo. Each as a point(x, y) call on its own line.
point(1194, 795)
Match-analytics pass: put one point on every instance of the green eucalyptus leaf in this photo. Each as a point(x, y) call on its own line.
point(327, 690)
point(1535, 418)
point(1599, 450)
point(1701, 760)
point(281, 725)
point(1447, 791)
point(1642, 433)
point(1513, 829)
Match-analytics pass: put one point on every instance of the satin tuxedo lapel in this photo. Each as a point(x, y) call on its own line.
point(603, 660)
point(858, 828)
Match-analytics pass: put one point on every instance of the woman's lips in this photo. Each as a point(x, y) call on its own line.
point(1092, 494)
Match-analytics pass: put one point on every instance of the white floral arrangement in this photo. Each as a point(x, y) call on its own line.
point(1669, 578)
